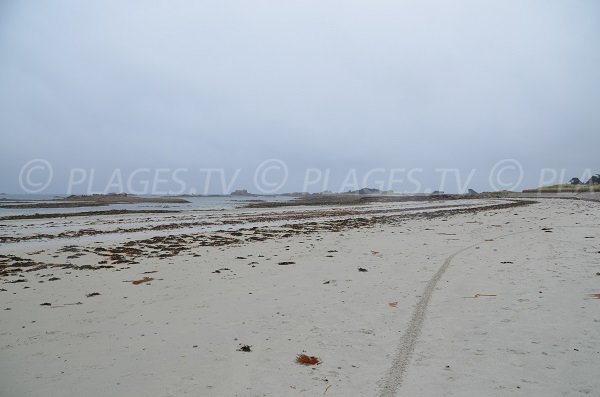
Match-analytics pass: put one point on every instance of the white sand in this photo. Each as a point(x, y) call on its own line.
point(537, 336)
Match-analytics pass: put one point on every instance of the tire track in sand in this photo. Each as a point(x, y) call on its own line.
point(392, 381)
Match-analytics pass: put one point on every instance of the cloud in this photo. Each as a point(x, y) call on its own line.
point(318, 84)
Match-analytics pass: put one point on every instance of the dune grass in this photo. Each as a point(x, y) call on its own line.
point(565, 188)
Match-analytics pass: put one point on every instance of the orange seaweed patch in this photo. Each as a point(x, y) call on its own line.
point(144, 280)
point(595, 296)
point(307, 360)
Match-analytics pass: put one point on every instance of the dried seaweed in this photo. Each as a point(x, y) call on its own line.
point(141, 281)
point(307, 360)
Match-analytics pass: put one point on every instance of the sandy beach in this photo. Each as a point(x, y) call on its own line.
point(479, 297)
point(299, 198)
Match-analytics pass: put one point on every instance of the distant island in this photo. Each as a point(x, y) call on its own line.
point(575, 185)
point(246, 193)
point(94, 200)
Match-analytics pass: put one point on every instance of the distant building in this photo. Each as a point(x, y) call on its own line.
point(240, 192)
point(594, 180)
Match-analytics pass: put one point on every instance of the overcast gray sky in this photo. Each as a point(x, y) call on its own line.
point(317, 84)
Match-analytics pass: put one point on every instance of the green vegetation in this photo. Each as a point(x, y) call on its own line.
point(565, 188)
point(575, 185)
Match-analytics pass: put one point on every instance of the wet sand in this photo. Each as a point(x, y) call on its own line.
point(471, 297)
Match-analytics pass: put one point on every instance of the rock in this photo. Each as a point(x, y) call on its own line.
point(245, 348)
